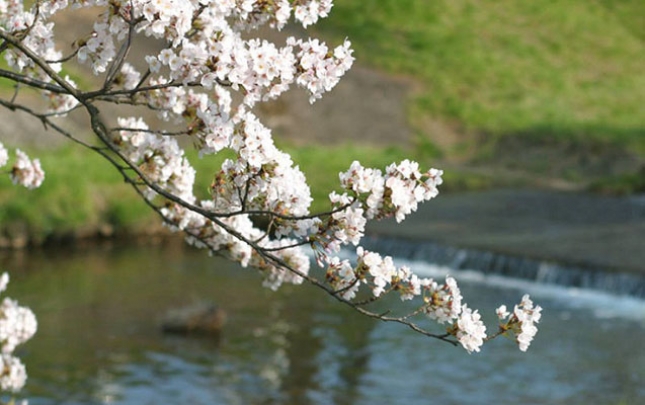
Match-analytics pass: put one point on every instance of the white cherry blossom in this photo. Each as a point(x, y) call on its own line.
point(27, 172)
point(4, 156)
point(471, 331)
point(526, 316)
point(17, 325)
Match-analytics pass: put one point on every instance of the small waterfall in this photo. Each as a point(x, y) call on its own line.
point(540, 271)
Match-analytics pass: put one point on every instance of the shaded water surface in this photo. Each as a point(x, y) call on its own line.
point(99, 340)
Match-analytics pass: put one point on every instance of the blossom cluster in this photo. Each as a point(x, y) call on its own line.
point(442, 302)
point(396, 193)
point(36, 32)
point(25, 171)
point(521, 322)
point(17, 325)
point(160, 159)
point(370, 194)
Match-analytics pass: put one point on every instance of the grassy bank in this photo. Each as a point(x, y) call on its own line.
point(82, 193)
point(566, 70)
point(551, 88)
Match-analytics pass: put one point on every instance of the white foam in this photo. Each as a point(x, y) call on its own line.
point(602, 304)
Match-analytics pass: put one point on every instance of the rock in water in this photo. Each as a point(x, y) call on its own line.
point(197, 319)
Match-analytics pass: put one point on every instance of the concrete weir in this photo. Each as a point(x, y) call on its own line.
point(491, 263)
point(572, 239)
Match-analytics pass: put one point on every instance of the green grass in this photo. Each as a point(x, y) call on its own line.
point(574, 68)
point(82, 191)
point(625, 184)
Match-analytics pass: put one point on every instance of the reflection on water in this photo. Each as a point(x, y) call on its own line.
point(99, 341)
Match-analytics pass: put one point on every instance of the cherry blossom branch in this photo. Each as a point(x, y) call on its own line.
point(40, 62)
point(99, 128)
point(31, 82)
point(209, 77)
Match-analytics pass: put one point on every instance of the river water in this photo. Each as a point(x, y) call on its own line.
point(99, 340)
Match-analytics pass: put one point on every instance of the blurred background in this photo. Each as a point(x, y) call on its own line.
point(534, 110)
